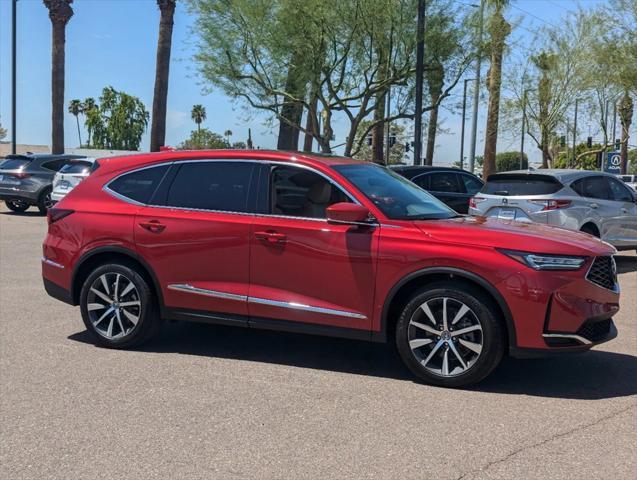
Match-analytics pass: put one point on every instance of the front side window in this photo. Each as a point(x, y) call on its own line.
point(471, 184)
point(215, 185)
point(444, 182)
point(395, 196)
point(139, 185)
point(298, 192)
point(619, 192)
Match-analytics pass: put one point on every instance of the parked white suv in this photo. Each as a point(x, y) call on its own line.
point(69, 176)
point(593, 202)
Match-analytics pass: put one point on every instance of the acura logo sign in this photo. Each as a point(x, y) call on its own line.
point(504, 201)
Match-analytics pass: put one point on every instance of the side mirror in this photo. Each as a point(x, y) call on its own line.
point(348, 213)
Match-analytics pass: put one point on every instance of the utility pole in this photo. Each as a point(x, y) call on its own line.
point(523, 129)
point(476, 93)
point(464, 109)
point(14, 135)
point(420, 60)
point(575, 132)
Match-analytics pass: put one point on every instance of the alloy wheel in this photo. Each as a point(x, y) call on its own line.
point(445, 336)
point(113, 305)
point(47, 201)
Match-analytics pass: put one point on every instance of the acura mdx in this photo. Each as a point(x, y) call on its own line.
point(321, 245)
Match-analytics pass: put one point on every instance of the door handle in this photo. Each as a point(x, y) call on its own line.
point(593, 205)
point(624, 210)
point(270, 236)
point(153, 226)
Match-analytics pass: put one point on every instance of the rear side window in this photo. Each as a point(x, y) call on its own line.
point(76, 167)
point(54, 165)
point(139, 185)
point(215, 185)
point(523, 184)
point(14, 163)
point(444, 182)
point(592, 187)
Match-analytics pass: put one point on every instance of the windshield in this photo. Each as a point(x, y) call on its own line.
point(394, 195)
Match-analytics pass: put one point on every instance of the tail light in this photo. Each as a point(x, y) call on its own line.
point(55, 214)
point(473, 201)
point(21, 175)
point(552, 204)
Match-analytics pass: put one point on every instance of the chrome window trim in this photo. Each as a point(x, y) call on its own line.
point(184, 287)
point(52, 263)
point(570, 336)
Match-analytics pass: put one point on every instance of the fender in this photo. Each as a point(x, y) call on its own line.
point(493, 291)
point(123, 251)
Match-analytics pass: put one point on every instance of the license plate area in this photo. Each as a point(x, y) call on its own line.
point(509, 213)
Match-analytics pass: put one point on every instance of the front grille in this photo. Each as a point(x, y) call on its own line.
point(595, 331)
point(603, 272)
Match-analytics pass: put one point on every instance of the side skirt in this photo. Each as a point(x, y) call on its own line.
point(268, 324)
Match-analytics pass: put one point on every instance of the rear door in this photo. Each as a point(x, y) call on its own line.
point(196, 237)
point(445, 186)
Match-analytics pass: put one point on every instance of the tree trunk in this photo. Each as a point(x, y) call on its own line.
point(160, 97)
point(309, 124)
point(431, 132)
point(500, 29)
point(378, 131)
point(626, 108)
point(57, 86)
point(79, 136)
point(291, 112)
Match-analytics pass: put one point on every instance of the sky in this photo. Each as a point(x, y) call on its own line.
point(113, 42)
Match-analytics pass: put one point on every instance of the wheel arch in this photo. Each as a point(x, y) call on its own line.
point(593, 226)
point(402, 290)
point(102, 255)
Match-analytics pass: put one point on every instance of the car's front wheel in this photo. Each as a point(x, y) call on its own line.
point(118, 306)
point(449, 334)
point(17, 205)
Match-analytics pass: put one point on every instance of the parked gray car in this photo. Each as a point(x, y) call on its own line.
point(26, 180)
point(593, 202)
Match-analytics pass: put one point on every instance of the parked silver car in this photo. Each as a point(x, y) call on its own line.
point(593, 202)
point(69, 176)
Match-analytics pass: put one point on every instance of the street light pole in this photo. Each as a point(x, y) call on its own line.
point(464, 109)
point(523, 129)
point(476, 93)
point(575, 132)
point(14, 135)
point(420, 59)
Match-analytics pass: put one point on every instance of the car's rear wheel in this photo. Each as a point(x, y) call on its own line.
point(449, 335)
point(16, 205)
point(44, 201)
point(118, 306)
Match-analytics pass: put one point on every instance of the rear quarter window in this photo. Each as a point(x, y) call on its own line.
point(139, 185)
point(508, 185)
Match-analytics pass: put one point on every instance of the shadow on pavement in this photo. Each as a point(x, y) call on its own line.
point(626, 264)
point(34, 213)
point(591, 375)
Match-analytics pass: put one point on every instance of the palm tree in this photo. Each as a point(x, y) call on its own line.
point(60, 12)
point(75, 108)
point(228, 134)
point(160, 97)
point(88, 106)
point(198, 114)
point(499, 30)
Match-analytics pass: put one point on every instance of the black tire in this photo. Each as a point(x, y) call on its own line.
point(482, 313)
point(148, 322)
point(17, 205)
point(44, 201)
point(590, 229)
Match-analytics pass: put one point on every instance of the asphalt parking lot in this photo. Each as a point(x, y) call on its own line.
point(217, 402)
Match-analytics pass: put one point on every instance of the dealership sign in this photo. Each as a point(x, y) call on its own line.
point(613, 162)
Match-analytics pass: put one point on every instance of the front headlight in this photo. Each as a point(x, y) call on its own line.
point(541, 261)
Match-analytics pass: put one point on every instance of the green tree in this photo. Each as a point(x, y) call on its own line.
point(60, 12)
point(75, 108)
point(586, 158)
point(3, 132)
point(498, 29)
point(88, 106)
point(118, 122)
point(160, 96)
point(397, 150)
point(507, 161)
point(203, 139)
point(198, 114)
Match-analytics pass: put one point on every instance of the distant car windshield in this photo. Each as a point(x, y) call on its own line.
point(76, 167)
point(14, 163)
point(394, 195)
point(521, 184)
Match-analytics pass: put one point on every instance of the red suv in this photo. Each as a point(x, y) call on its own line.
point(321, 245)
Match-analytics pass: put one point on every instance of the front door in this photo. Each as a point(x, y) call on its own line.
point(303, 269)
point(197, 237)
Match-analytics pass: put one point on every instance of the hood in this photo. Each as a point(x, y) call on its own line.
point(528, 237)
